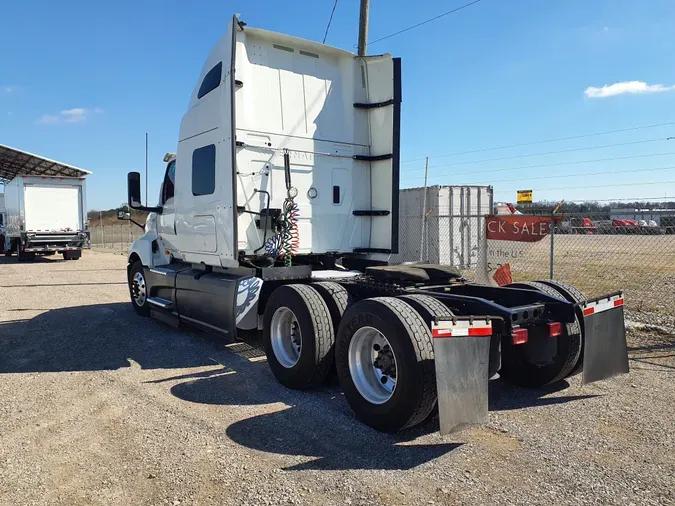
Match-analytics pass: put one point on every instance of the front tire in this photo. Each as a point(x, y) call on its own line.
point(298, 336)
point(138, 289)
point(385, 362)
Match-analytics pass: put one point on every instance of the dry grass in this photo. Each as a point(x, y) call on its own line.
point(641, 265)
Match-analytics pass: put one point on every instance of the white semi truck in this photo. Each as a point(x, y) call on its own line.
point(279, 212)
point(45, 215)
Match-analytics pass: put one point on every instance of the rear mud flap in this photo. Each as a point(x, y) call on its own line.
point(605, 349)
point(462, 356)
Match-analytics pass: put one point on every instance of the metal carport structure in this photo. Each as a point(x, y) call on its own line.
point(14, 162)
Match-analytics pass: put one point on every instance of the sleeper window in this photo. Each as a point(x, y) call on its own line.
point(204, 170)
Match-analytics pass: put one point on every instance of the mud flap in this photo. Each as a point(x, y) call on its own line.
point(605, 349)
point(462, 356)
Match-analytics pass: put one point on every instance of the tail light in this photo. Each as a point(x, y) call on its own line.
point(518, 336)
point(554, 329)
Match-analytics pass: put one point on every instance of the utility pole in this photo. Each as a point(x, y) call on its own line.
point(146, 168)
point(363, 27)
point(424, 210)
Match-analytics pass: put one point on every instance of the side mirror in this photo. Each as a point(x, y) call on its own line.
point(134, 194)
point(123, 215)
point(134, 190)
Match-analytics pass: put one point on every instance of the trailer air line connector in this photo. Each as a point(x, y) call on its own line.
point(285, 242)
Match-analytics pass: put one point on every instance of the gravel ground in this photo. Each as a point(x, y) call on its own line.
point(100, 406)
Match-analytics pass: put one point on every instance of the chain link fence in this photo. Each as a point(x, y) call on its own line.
point(600, 254)
point(116, 237)
point(593, 251)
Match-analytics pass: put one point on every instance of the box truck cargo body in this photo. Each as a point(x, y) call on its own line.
point(46, 215)
point(448, 227)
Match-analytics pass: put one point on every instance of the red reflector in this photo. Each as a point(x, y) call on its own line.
point(480, 331)
point(519, 336)
point(554, 329)
point(589, 311)
point(618, 302)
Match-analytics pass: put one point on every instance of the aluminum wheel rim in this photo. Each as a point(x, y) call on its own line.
point(286, 337)
point(138, 289)
point(372, 365)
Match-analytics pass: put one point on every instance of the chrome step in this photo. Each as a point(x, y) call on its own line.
point(159, 302)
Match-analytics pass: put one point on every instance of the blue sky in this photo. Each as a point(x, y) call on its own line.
point(83, 81)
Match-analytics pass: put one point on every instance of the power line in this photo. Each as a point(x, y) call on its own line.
point(582, 136)
point(423, 22)
point(632, 199)
point(631, 171)
point(579, 174)
point(548, 153)
point(330, 20)
point(594, 186)
point(545, 165)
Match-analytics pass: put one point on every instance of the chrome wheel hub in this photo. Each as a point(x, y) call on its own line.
point(138, 289)
point(372, 365)
point(286, 337)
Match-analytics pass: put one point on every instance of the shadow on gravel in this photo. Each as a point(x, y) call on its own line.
point(64, 284)
point(100, 337)
point(316, 424)
point(337, 442)
point(503, 396)
point(39, 259)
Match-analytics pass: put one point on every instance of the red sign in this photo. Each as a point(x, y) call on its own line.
point(518, 228)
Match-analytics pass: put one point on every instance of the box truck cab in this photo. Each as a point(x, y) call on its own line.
point(279, 213)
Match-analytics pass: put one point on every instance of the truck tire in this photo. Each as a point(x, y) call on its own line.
point(385, 362)
point(138, 289)
point(572, 294)
point(426, 306)
point(20, 255)
point(298, 336)
point(514, 363)
point(337, 299)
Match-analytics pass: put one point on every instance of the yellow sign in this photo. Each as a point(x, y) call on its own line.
point(524, 196)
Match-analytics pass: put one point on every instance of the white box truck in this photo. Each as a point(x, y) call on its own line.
point(44, 216)
point(3, 219)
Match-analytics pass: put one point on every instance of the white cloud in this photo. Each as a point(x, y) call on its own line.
point(9, 89)
point(625, 87)
point(77, 111)
point(49, 119)
point(74, 115)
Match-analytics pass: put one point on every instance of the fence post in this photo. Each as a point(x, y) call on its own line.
point(552, 243)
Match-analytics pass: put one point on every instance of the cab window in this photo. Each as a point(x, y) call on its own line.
point(211, 80)
point(169, 181)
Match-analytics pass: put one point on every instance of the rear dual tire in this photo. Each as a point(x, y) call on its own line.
point(298, 336)
point(381, 337)
point(302, 349)
point(518, 369)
